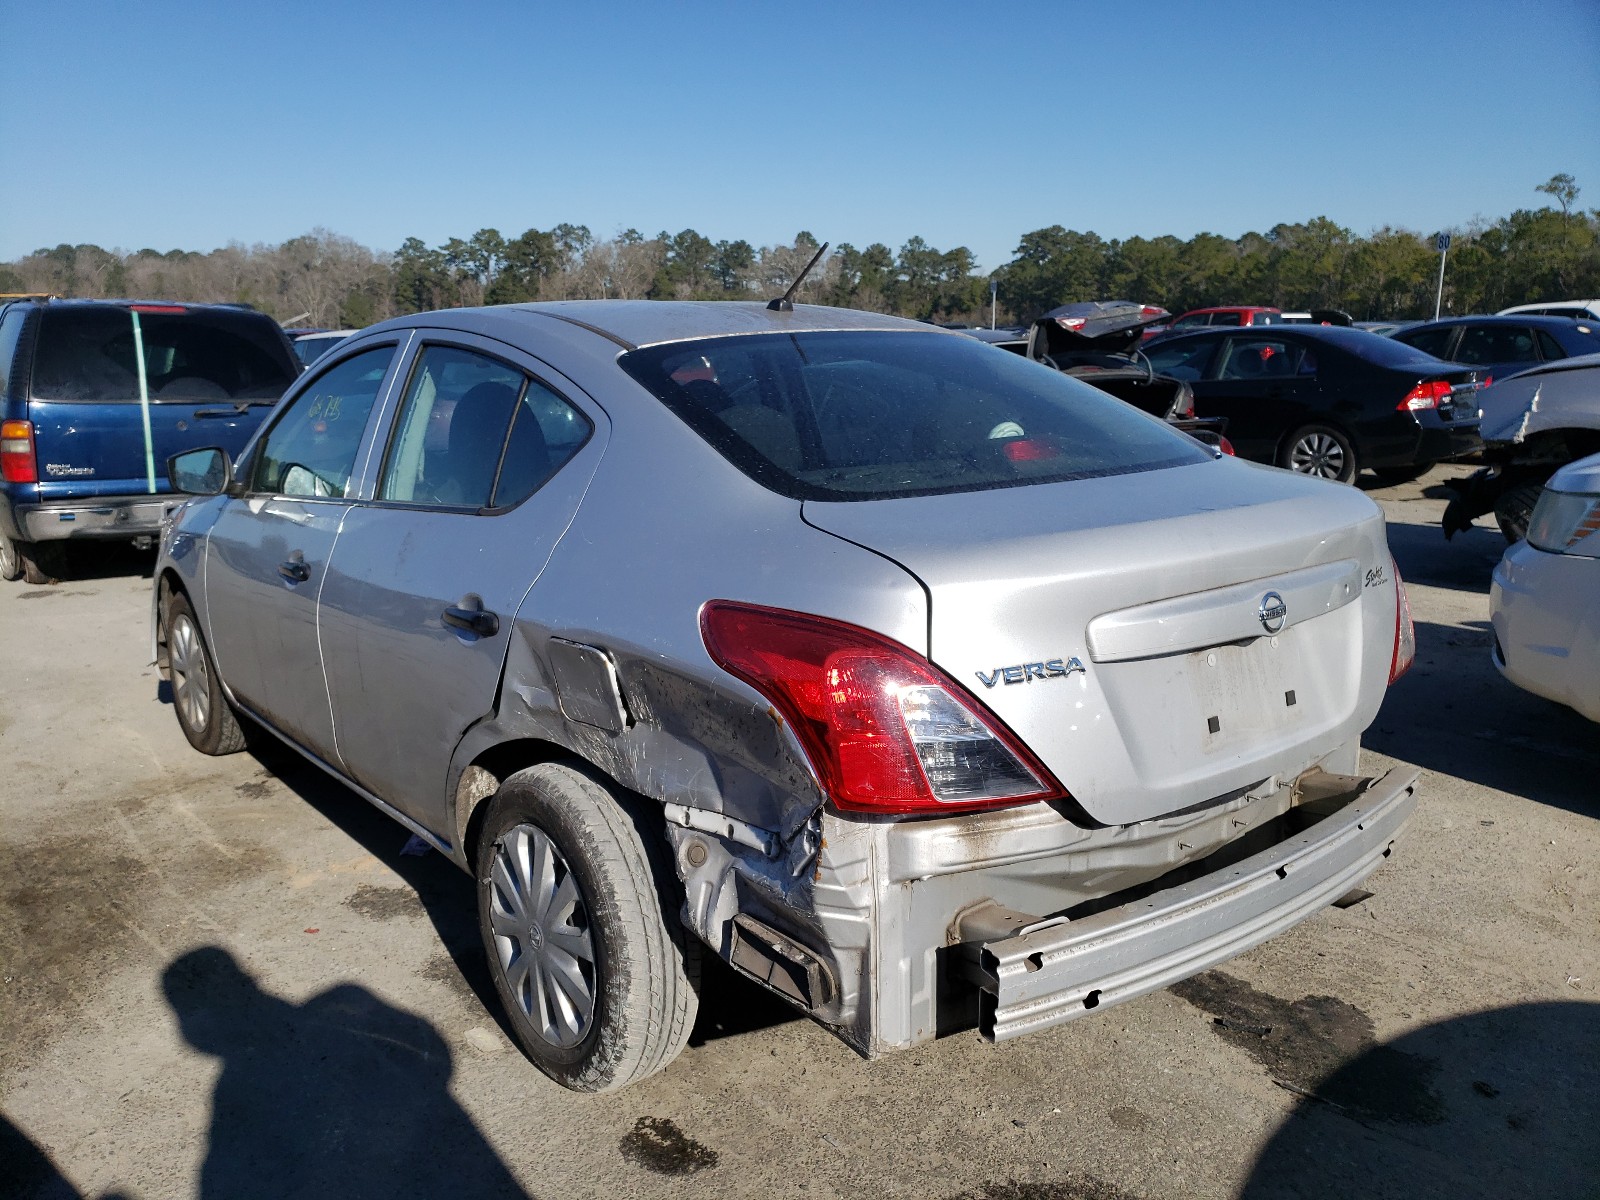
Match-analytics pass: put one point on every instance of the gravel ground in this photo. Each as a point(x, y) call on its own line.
point(1440, 1039)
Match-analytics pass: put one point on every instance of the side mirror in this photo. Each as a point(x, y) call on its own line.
point(200, 472)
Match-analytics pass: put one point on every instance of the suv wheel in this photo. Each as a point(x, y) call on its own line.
point(10, 559)
point(588, 956)
point(1320, 450)
point(204, 714)
point(29, 561)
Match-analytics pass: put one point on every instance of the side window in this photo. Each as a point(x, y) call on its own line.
point(1430, 341)
point(1259, 358)
point(476, 433)
point(1184, 360)
point(1548, 346)
point(10, 335)
point(545, 433)
point(1484, 344)
point(1225, 318)
point(311, 451)
point(1193, 321)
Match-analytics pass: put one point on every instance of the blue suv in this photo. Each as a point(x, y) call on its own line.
point(95, 395)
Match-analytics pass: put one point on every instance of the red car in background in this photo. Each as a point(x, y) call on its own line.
point(1234, 315)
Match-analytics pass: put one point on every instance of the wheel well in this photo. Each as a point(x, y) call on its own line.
point(483, 776)
point(167, 585)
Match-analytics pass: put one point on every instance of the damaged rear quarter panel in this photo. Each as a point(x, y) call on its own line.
point(667, 525)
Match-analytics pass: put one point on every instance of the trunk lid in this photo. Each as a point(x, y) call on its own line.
point(1128, 628)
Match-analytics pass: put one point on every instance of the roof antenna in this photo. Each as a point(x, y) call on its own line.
point(785, 302)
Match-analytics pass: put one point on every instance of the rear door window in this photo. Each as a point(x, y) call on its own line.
point(1260, 358)
point(1225, 318)
point(868, 415)
point(475, 432)
point(190, 355)
point(1485, 344)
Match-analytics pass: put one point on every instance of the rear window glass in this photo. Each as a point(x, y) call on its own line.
point(198, 355)
point(1433, 342)
point(861, 416)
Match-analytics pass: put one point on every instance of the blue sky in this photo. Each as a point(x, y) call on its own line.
point(176, 125)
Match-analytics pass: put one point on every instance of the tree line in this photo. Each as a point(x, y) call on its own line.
point(325, 279)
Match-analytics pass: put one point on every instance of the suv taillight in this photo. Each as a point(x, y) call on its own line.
point(1430, 393)
point(17, 463)
point(885, 730)
point(1405, 633)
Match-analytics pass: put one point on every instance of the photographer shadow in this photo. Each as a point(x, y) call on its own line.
point(342, 1095)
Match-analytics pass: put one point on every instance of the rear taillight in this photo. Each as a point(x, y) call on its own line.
point(885, 730)
point(17, 463)
point(1226, 446)
point(1430, 393)
point(1072, 323)
point(1405, 633)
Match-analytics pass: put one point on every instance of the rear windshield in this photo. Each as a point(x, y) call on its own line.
point(863, 416)
point(91, 354)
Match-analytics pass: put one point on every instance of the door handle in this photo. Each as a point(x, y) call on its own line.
point(468, 614)
point(295, 569)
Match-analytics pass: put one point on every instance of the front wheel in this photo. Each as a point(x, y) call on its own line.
point(584, 943)
point(1320, 450)
point(204, 713)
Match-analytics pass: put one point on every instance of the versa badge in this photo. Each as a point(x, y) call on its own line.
point(1055, 668)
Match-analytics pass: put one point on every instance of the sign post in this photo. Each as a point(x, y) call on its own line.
point(1442, 244)
point(994, 300)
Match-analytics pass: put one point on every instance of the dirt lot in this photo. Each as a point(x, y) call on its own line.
point(1441, 1039)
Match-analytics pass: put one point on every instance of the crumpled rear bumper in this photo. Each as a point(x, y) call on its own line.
point(1056, 969)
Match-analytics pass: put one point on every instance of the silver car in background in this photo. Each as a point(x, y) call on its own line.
point(925, 685)
point(1544, 602)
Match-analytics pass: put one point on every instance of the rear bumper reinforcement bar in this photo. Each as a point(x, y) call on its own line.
point(1052, 974)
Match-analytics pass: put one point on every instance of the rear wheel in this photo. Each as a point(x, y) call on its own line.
point(30, 561)
point(1319, 450)
point(586, 950)
point(204, 714)
point(10, 560)
point(1515, 509)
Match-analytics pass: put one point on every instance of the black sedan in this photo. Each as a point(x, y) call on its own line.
point(1501, 346)
point(1328, 401)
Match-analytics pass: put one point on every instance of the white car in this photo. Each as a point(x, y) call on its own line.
point(1579, 309)
point(1545, 602)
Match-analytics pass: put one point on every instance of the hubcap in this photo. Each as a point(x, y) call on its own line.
point(542, 935)
point(191, 679)
point(8, 557)
point(1318, 454)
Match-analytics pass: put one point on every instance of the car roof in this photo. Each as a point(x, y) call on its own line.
point(1520, 319)
point(1338, 335)
point(1230, 308)
point(636, 323)
point(60, 302)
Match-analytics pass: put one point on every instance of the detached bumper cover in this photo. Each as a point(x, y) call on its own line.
point(1052, 974)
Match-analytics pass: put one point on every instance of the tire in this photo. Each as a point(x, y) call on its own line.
point(204, 714)
point(31, 562)
point(558, 846)
point(1515, 509)
point(10, 559)
point(1321, 451)
point(1392, 476)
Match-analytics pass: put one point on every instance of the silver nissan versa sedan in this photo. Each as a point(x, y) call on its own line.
point(925, 685)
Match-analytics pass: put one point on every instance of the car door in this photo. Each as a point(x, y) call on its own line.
point(267, 553)
point(1265, 386)
point(486, 460)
